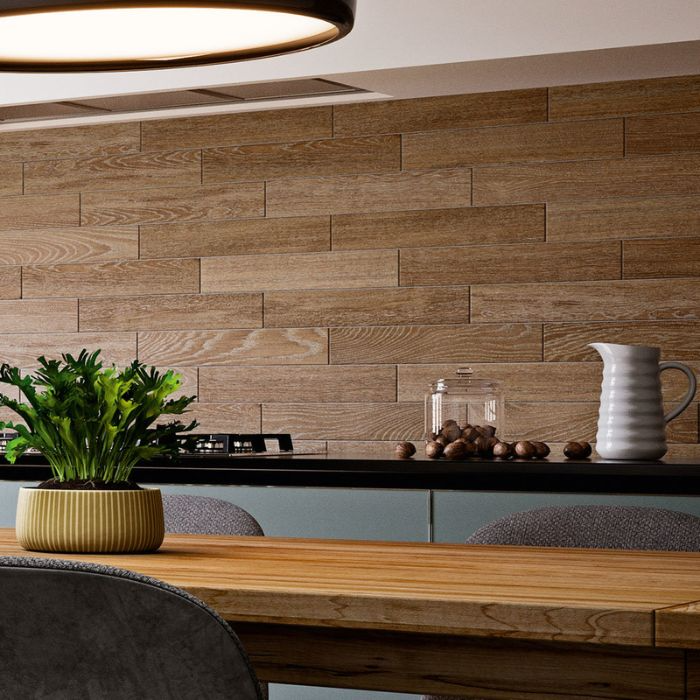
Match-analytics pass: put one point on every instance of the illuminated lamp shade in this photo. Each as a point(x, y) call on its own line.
point(94, 35)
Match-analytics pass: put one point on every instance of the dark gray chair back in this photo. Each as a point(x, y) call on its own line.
point(606, 527)
point(203, 515)
point(73, 630)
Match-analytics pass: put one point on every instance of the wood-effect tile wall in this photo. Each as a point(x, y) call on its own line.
point(312, 270)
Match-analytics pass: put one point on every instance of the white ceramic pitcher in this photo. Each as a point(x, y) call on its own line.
point(631, 421)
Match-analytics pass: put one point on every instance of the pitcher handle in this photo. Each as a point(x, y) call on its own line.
point(690, 394)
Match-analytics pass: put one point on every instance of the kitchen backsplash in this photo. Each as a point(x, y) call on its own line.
point(312, 270)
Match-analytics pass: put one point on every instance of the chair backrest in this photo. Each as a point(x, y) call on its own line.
point(76, 630)
point(606, 527)
point(203, 515)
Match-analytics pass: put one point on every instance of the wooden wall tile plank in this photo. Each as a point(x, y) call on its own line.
point(225, 418)
point(677, 94)
point(373, 154)
point(168, 204)
point(39, 212)
point(171, 312)
point(668, 133)
point(667, 257)
point(272, 126)
point(10, 179)
point(23, 349)
point(528, 262)
point(631, 300)
point(439, 227)
point(112, 279)
point(568, 342)
point(336, 270)
point(521, 381)
point(362, 421)
point(552, 182)
point(10, 282)
point(560, 421)
point(39, 316)
point(265, 346)
point(623, 218)
point(451, 112)
point(295, 384)
point(50, 246)
point(512, 144)
point(342, 194)
point(509, 342)
point(70, 142)
point(114, 172)
point(304, 234)
point(367, 307)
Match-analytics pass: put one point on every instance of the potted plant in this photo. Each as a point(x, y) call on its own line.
point(93, 424)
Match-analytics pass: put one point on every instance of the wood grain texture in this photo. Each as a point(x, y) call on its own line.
point(112, 278)
point(335, 270)
point(630, 300)
point(70, 142)
point(10, 282)
point(509, 342)
point(692, 679)
point(114, 172)
point(677, 626)
point(668, 133)
point(483, 668)
point(23, 349)
point(51, 246)
point(236, 129)
point(280, 384)
point(304, 234)
point(10, 179)
point(521, 381)
point(439, 227)
point(668, 257)
point(225, 418)
point(529, 262)
point(512, 144)
point(655, 217)
point(268, 346)
point(337, 421)
point(39, 212)
point(172, 204)
point(513, 592)
point(678, 94)
point(451, 112)
point(373, 154)
point(416, 189)
point(171, 312)
point(563, 421)
point(553, 182)
point(367, 307)
point(39, 316)
point(568, 342)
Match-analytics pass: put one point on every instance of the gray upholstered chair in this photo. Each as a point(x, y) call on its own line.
point(75, 630)
point(600, 527)
point(203, 515)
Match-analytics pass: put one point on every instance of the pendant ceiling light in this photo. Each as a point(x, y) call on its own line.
point(102, 35)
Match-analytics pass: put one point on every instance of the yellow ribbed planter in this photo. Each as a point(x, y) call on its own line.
point(56, 520)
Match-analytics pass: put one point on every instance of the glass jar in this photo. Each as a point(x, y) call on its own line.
point(466, 400)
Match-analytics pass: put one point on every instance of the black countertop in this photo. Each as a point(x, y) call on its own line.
point(667, 477)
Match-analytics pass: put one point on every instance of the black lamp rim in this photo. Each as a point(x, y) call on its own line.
point(340, 13)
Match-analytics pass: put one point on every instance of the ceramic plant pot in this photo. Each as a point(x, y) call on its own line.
point(57, 520)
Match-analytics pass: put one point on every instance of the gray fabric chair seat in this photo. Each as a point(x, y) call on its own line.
point(203, 515)
point(606, 527)
point(73, 630)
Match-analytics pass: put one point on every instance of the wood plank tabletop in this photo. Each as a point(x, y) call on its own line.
point(568, 595)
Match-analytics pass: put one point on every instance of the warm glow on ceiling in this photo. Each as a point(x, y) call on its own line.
point(153, 34)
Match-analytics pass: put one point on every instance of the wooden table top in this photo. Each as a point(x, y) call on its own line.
point(568, 595)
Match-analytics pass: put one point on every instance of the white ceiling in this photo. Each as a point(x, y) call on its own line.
point(409, 48)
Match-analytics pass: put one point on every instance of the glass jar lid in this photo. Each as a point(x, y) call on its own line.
point(463, 383)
